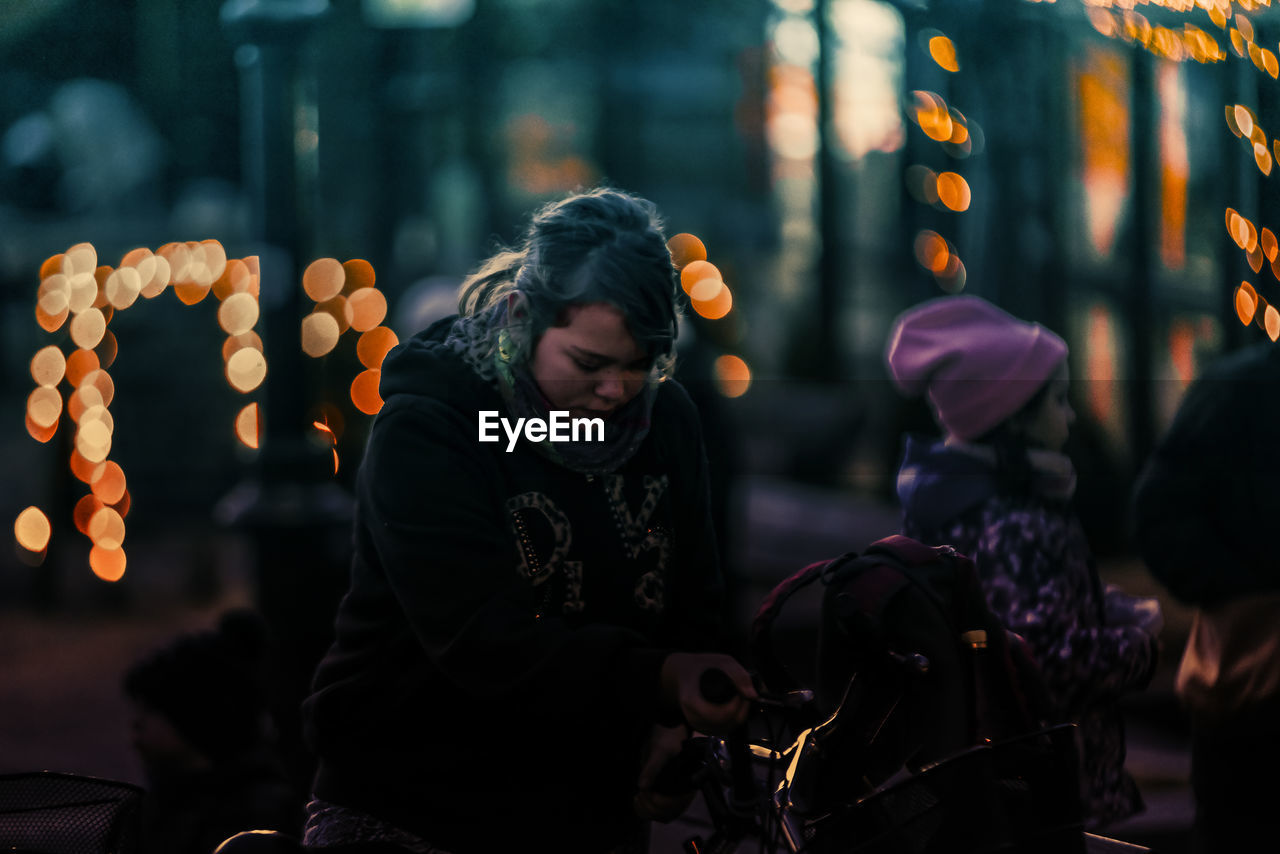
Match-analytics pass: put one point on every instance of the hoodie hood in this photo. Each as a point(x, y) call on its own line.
point(424, 366)
point(937, 483)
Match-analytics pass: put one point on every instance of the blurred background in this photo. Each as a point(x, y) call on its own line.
point(1100, 168)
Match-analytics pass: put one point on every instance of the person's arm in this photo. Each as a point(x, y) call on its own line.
point(1080, 657)
point(1195, 500)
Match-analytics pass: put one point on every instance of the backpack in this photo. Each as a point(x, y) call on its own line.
point(918, 682)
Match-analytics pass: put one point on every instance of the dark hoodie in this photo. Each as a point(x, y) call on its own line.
point(495, 668)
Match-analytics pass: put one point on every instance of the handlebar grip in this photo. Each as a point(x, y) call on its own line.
point(716, 686)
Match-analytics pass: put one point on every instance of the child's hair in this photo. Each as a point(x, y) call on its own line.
point(605, 246)
point(1014, 472)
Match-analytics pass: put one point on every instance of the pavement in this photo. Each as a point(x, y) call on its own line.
point(61, 709)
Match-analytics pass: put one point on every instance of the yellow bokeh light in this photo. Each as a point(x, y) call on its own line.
point(123, 287)
point(107, 564)
point(368, 308)
point(373, 346)
point(732, 374)
point(319, 334)
point(364, 391)
point(323, 279)
point(82, 291)
point(340, 310)
point(716, 307)
point(706, 290)
point(83, 398)
point(246, 369)
point(93, 441)
point(1243, 120)
point(1237, 42)
point(238, 314)
point(161, 277)
point(686, 248)
point(32, 529)
point(48, 366)
point(1245, 26)
point(87, 328)
point(1271, 322)
point(696, 271)
point(943, 52)
point(248, 426)
point(44, 407)
point(236, 342)
point(81, 258)
point(101, 381)
point(54, 294)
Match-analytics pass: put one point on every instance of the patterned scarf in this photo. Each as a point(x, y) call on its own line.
point(485, 343)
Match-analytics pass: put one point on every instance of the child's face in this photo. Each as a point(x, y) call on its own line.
point(1049, 424)
point(158, 744)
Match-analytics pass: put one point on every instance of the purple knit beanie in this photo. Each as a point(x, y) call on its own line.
point(976, 363)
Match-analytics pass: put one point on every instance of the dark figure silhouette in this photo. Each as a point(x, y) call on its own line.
point(201, 728)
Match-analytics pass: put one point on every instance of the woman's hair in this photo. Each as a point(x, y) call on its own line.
point(1013, 467)
point(605, 246)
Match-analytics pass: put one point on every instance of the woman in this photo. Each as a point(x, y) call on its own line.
point(527, 622)
point(997, 487)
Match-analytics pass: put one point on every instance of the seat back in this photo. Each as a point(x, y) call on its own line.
point(43, 812)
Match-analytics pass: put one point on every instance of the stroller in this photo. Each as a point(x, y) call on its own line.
point(936, 732)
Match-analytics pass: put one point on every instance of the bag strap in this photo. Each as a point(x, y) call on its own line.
point(760, 643)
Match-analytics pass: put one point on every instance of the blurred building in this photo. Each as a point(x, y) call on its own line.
point(839, 159)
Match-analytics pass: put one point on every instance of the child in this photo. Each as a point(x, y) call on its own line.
point(200, 727)
point(997, 487)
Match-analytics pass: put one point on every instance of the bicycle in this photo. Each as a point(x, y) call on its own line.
point(796, 793)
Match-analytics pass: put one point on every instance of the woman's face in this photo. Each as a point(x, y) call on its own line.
point(1048, 425)
point(590, 366)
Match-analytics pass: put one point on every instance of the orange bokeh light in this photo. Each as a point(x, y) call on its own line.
point(249, 427)
point(359, 274)
point(373, 346)
point(107, 564)
point(368, 308)
point(364, 391)
point(323, 279)
point(108, 482)
point(733, 375)
point(686, 248)
point(32, 529)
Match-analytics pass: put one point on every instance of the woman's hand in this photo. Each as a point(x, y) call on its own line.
point(681, 682)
